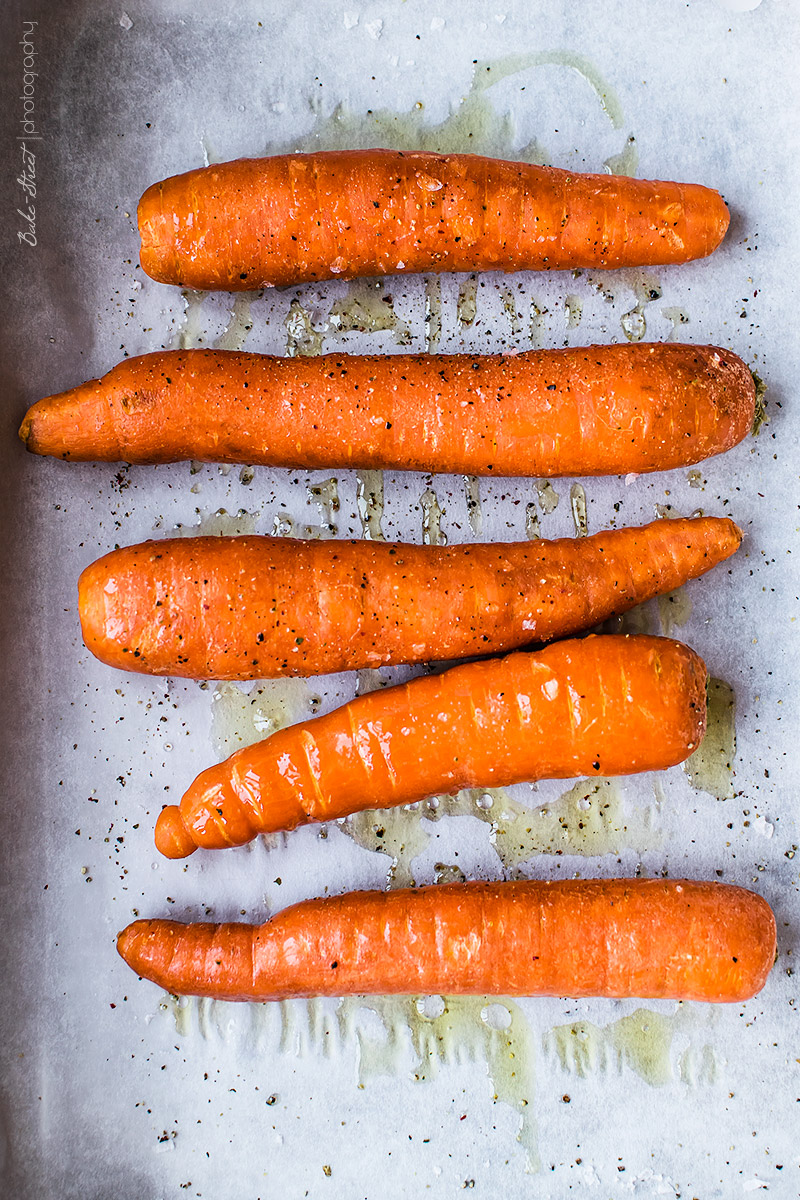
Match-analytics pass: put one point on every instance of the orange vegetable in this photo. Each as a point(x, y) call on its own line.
point(607, 705)
point(653, 938)
point(600, 410)
point(337, 214)
point(255, 607)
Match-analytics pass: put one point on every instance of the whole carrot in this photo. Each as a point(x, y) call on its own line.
point(337, 214)
point(651, 938)
point(255, 607)
point(609, 705)
point(590, 411)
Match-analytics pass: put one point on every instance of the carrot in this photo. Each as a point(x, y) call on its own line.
point(589, 411)
point(609, 705)
point(304, 217)
point(651, 938)
point(259, 607)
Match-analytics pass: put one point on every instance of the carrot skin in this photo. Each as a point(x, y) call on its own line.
point(608, 705)
point(578, 411)
point(338, 214)
point(257, 607)
point(649, 938)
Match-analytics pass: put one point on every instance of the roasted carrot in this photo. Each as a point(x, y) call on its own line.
point(258, 607)
point(609, 705)
point(600, 410)
point(651, 938)
point(338, 214)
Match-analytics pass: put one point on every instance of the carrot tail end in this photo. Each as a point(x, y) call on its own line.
point(25, 431)
point(129, 941)
point(172, 838)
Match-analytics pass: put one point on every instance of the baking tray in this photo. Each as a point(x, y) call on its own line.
point(108, 1087)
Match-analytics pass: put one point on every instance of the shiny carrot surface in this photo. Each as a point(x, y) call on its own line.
point(650, 938)
point(598, 410)
point(609, 705)
point(338, 214)
point(258, 607)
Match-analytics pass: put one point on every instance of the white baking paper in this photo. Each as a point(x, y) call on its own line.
point(108, 1088)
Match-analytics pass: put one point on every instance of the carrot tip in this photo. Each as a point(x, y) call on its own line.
point(128, 938)
point(25, 430)
point(172, 838)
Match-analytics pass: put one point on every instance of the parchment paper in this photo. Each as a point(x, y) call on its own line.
point(109, 1089)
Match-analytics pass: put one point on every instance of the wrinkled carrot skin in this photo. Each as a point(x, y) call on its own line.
point(608, 705)
point(261, 607)
point(649, 938)
point(578, 411)
point(339, 214)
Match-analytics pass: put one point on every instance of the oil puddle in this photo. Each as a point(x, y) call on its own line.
point(674, 610)
point(590, 819)
point(662, 615)
point(641, 1042)
point(697, 1065)
point(367, 307)
point(573, 308)
point(370, 679)
point(577, 501)
point(511, 312)
point(220, 524)
point(537, 329)
point(548, 496)
point(325, 496)
point(647, 289)
point(472, 493)
point(303, 339)
point(678, 317)
point(448, 873)
point(369, 501)
point(283, 525)
point(240, 322)
point(627, 161)
point(396, 832)
point(651, 1044)
point(433, 313)
point(432, 514)
point(533, 530)
point(474, 127)
point(240, 718)
point(190, 332)
point(467, 303)
point(710, 768)
point(489, 73)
